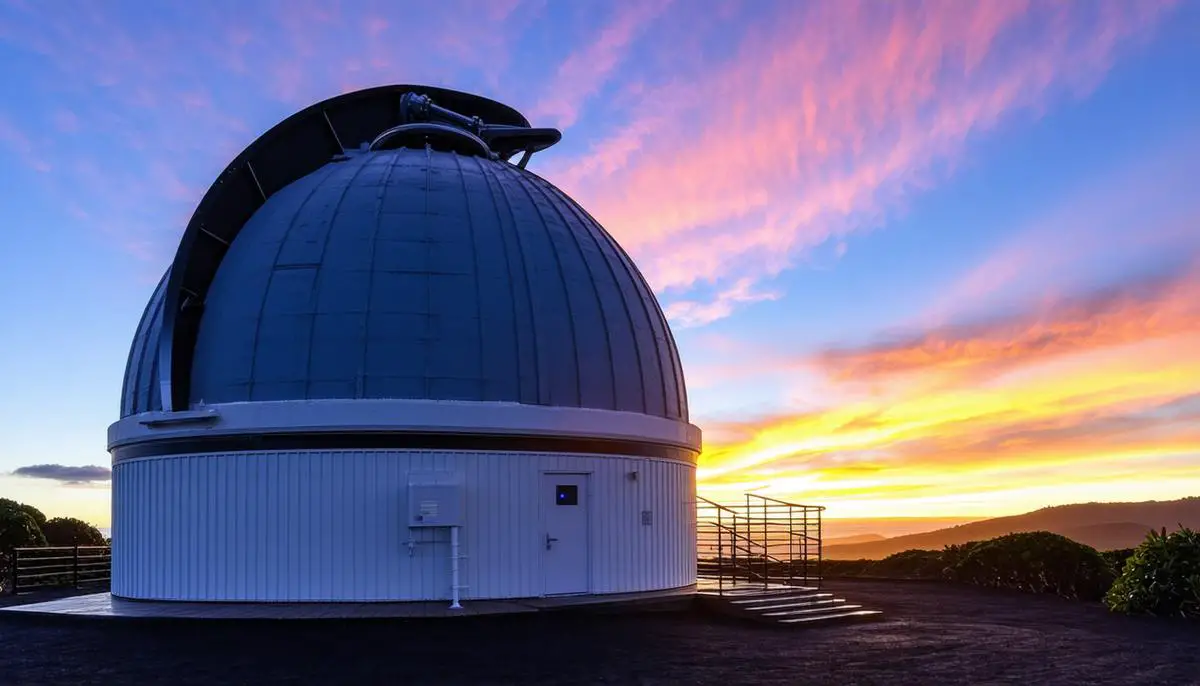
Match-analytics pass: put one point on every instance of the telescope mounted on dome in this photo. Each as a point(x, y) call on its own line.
point(426, 123)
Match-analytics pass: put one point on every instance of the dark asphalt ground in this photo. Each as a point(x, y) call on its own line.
point(933, 634)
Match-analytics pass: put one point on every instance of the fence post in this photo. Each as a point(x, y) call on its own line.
point(16, 558)
point(75, 566)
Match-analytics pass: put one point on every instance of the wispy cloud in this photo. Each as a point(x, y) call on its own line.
point(585, 71)
point(22, 146)
point(689, 313)
point(65, 473)
point(826, 119)
point(1157, 307)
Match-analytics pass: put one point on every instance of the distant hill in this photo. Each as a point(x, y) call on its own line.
point(859, 538)
point(1104, 526)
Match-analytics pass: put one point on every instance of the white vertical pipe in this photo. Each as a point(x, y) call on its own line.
point(454, 605)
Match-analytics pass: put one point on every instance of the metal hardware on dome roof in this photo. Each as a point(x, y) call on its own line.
point(440, 137)
point(331, 131)
point(502, 140)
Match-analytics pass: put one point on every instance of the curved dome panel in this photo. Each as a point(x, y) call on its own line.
point(429, 275)
point(140, 391)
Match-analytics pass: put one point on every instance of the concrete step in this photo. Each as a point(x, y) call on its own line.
point(838, 616)
point(820, 602)
point(828, 608)
point(765, 603)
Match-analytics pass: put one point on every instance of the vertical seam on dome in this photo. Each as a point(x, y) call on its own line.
point(537, 358)
point(676, 365)
point(639, 281)
point(556, 203)
point(637, 353)
point(516, 339)
point(271, 277)
point(133, 362)
point(561, 278)
point(428, 280)
point(150, 352)
point(312, 326)
point(482, 379)
point(360, 377)
point(149, 361)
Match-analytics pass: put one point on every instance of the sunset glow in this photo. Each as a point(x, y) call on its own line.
point(922, 259)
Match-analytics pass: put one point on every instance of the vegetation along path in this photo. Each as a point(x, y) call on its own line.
point(934, 633)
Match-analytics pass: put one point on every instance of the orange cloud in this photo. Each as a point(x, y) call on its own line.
point(1085, 393)
point(1155, 309)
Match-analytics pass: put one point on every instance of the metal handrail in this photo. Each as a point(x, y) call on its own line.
point(762, 539)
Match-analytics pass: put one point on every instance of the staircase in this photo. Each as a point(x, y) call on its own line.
point(761, 560)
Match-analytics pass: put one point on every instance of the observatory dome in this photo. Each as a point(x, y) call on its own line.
point(384, 347)
point(400, 274)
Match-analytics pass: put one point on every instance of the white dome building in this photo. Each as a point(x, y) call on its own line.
point(387, 364)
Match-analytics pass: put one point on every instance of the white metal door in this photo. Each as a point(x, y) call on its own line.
point(564, 533)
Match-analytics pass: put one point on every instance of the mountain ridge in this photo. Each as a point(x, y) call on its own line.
point(1104, 526)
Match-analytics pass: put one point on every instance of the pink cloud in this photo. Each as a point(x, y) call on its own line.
point(828, 117)
point(17, 141)
point(66, 121)
point(1107, 222)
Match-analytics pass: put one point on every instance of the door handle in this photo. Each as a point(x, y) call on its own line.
point(549, 540)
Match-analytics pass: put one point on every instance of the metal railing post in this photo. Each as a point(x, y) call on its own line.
point(75, 567)
point(791, 534)
point(766, 548)
point(820, 555)
point(16, 561)
point(720, 552)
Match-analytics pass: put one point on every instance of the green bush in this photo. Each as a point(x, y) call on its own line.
point(18, 526)
point(910, 564)
point(1038, 562)
point(1161, 577)
point(71, 531)
point(18, 529)
point(845, 568)
point(1116, 559)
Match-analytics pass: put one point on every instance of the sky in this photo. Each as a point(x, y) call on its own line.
point(922, 259)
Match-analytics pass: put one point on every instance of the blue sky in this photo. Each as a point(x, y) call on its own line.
point(959, 221)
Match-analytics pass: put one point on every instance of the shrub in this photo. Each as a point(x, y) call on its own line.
point(845, 568)
point(1038, 562)
point(71, 531)
point(1116, 559)
point(18, 527)
point(1161, 577)
point(36, 514)
point(910, 564)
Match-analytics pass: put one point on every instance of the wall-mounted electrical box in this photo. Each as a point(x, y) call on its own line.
point(435, 505)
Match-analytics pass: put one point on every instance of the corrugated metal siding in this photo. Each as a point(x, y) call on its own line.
point(303, 526)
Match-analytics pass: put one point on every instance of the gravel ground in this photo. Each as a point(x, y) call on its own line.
point(933, 634)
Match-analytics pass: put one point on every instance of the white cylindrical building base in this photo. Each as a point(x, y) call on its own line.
point(333, 526)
